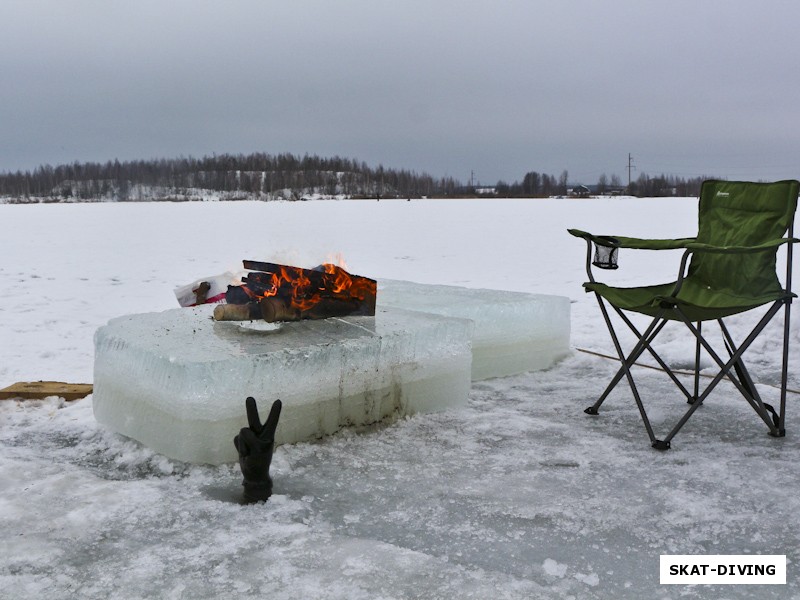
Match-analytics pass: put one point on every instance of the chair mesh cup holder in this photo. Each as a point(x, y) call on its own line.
point(605, 257)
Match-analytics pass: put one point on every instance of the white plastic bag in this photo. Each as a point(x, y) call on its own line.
point(188, 295)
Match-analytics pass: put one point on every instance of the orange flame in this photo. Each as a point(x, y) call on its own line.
point(342, 280)
point(333, 282)
point(337, 259)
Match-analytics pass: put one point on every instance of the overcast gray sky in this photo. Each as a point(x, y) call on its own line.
point(688, 87)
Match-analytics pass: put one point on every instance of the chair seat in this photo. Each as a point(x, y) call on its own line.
point(698, 302)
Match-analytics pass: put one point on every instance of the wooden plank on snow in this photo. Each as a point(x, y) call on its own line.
point(34, 390)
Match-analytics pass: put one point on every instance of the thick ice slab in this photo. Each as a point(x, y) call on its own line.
point(514, 332)
point(176, 380)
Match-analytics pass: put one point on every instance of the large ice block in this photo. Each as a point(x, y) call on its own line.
point(177, 381)
point(514, 332)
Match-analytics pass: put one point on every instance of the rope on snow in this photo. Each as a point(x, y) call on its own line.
point(676, 371)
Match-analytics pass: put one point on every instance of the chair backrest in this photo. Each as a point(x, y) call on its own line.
point(740, 213)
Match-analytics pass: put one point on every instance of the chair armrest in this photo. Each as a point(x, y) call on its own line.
point(633, 243)
point(769, 245)
point(608, 259)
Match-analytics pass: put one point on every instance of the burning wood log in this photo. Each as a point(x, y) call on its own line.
point(276, 292)
point(276, 309)
point(237, 312)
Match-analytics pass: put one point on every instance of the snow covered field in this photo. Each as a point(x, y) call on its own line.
point(520, 495)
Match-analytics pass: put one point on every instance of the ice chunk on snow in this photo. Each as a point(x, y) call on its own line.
point(176, 380)
point(554, 568)
point(514, 332)
point(592, 579)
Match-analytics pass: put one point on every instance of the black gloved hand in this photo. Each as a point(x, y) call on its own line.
point(255, 445)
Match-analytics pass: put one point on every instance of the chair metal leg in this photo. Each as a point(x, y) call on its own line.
point(632, 358)
point(725, 368)
point(787, 313)
point(626, 366)
point(653, 353)
point(739, 367)
point(785, 371)
point(696, 394)
point(751, 396)
point(741, 379)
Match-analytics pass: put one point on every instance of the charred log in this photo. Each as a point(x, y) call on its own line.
point(277, 309)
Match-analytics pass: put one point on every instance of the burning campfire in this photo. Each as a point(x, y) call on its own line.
point(274, 292)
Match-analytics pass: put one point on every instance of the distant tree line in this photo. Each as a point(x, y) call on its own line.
point(535, 184)
point(236, 176)
point(666, 185)
point(287, 176)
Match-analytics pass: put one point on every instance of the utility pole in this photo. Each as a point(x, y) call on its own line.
point(630, 166)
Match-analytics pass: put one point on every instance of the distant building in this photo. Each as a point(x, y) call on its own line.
point(594, 190)
point(580, 191)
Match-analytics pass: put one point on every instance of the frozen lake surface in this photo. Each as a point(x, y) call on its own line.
point(517, 495)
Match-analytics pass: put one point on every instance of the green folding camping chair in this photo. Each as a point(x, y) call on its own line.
point(732, 270)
